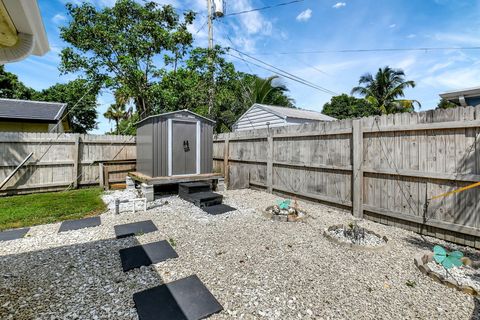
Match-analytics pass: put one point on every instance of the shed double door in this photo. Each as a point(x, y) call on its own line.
point(184, 147)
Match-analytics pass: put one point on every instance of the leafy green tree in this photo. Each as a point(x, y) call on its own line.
point(384, 90)
point(265, 91)
point(117, 112)
point(81, 99)
point(187, 87)
point(127, 126)
point(122, 47)
point(446, 104)
point(345, 107)
point(12, 88)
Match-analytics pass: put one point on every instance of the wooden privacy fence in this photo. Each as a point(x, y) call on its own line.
point(62, 160)
point(384, 168)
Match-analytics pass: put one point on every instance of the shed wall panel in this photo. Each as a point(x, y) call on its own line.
point(206, 150)
point(145, 143)
point(161, 147)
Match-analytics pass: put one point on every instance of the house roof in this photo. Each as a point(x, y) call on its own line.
point(296, 113)
point(468, 92)
point(286, 113)
point(174, 112)
point(31, 110)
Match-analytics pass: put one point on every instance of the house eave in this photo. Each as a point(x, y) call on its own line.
point(32, 38)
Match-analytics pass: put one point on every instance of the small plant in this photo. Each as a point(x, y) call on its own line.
point(411, 283)
point(447, 259)
point(172, 242)
point(354, 231)
point(284, 204)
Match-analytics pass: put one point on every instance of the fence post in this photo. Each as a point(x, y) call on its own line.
point(101, 177)
point(76, 160)
point(357, 172)
point(225, 160)
point(269, 162)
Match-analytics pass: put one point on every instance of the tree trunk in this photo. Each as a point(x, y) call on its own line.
point(141, 106)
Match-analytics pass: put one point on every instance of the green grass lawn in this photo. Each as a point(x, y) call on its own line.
point(41, 208)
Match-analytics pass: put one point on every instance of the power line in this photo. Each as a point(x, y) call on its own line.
point(287, 74)
point(426, 49)
point(278, 73)
point(263, 8)
point(202, 26)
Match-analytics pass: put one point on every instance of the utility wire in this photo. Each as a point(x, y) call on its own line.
point(426, 49)
point(263, 8)
point(273, 71)
point(202, 26)
point(284, 73)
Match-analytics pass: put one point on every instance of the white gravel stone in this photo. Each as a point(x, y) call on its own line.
point(464, 275)
point(256, 268)
point(369, 239)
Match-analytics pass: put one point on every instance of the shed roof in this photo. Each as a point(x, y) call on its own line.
point(31, 110)
point(167, 114)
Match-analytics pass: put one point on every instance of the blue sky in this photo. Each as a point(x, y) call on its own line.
point(318, 25)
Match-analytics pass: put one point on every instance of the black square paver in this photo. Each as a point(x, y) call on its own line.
point(13, 234)
point(136, 228)
point(186, 298)
point(147, 254)
point(218, 209)
point(69, 225)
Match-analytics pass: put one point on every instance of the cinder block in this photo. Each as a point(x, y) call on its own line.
point(220, 185)
point(130, 183)
point(147, 191)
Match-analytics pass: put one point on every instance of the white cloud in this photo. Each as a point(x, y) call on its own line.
point(411, 36)
point(252, 22)
point(439, 66)
point(339, 5)
point(304, 15)
point(458, 38)
point(454, 79)
point(393, 25)
point(58, 18)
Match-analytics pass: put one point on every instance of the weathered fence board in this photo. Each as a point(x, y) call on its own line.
point(59, 160)
point(386, 168)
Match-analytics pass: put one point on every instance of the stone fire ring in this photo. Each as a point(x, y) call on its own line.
point(353, 245)
point(421, 261)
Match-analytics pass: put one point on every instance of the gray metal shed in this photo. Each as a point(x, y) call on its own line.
point(174, 144)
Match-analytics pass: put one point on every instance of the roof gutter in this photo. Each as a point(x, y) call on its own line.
point(23, 31)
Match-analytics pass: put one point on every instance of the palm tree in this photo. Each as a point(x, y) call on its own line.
point(266, 92)
point(383, 90)
point(117, 112)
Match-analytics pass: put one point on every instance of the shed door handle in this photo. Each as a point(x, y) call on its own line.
point(186, 147)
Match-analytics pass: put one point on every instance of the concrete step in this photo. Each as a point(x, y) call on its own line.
point(203, 199)
point(193, 187)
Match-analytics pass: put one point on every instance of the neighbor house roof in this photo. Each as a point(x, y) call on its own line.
point(462, 96)
point(468, 92)
point(39, 111)
point(295, 113)
point(21, 30)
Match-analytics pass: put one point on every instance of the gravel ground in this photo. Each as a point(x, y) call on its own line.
point(255, 267)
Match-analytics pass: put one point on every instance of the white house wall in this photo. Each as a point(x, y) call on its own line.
point(257, 118)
